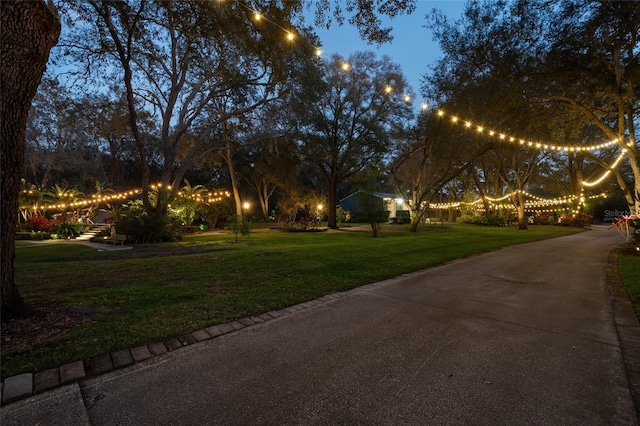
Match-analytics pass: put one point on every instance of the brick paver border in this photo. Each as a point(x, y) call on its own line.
point(28, 384)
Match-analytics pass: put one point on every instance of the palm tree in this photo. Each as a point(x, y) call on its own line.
point(189, 197)
point(31, 199)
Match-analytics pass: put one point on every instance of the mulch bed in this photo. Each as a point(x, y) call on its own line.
point(54, 320)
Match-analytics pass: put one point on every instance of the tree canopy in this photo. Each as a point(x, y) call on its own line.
point(550, 70)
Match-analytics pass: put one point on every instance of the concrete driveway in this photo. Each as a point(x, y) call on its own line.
point(521, 336)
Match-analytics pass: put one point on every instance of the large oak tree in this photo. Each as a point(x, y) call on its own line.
point(350, 115)
point(28, 30)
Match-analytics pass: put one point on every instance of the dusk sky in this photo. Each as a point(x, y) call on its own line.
point(412, 48)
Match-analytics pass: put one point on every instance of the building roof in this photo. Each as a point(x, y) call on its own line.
point(382, 195)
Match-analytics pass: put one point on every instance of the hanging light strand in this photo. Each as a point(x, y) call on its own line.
point(208, 197)
point(526, 143)
point(291, 35)
point(534, 202)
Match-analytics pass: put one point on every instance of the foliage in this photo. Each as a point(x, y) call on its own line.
point(31, 199)
point(514, 65)
point(342, 215)
point(67, 230)
point(372, 210)
point(36, 236)
point(39, 223)
point(426, 162)
point(189, 199)
point(141, 227)
point(211, 212)
point(545, 218)
point(61, 138)
point(199, 67)
point(348, 120)
point(239, 225)
point(484, 220)
point(629, 227)
point(576, 220)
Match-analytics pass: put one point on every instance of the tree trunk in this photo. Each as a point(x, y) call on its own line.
point(417, 216)
point(522, 219)
point(28, 30)
point(332, 197)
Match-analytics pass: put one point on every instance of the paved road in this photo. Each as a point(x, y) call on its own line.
point(520, 336)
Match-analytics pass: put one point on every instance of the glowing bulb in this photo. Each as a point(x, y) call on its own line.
point(257, 16)
point(290, 36)
point(407, 98)
point(388, 89)
point(345, 66)
point(318, 52)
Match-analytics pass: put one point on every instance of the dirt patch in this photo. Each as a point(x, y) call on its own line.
point(54, 320)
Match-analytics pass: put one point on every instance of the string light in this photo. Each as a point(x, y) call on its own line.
point(537, 145)
point(424, 106)
point(468, 124)
point(532, 205)
point(109, 198)
point(608, 172)
point(290, 36)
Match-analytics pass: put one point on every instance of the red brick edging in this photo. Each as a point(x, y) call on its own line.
point(27, 384)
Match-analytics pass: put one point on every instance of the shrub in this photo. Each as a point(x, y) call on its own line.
point(39, 223)
point(36, 236)
point(378, 216)
point(144, 229)
point(496, 221)
point(541, 219)
point(483, 220)
point(629, 228)
point(64, 230)
point(238, 225)
point(474, 220)
point(579, 220)
point(190, 229)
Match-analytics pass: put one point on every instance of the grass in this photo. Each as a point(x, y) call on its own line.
point(629, 270)
point(155, 292)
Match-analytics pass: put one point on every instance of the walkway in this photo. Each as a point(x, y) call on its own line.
point(97, 246)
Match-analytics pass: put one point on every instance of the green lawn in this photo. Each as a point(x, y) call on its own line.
point(629, 269)
point(154, 292)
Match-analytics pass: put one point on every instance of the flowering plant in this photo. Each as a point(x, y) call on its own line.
point(628, 226)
